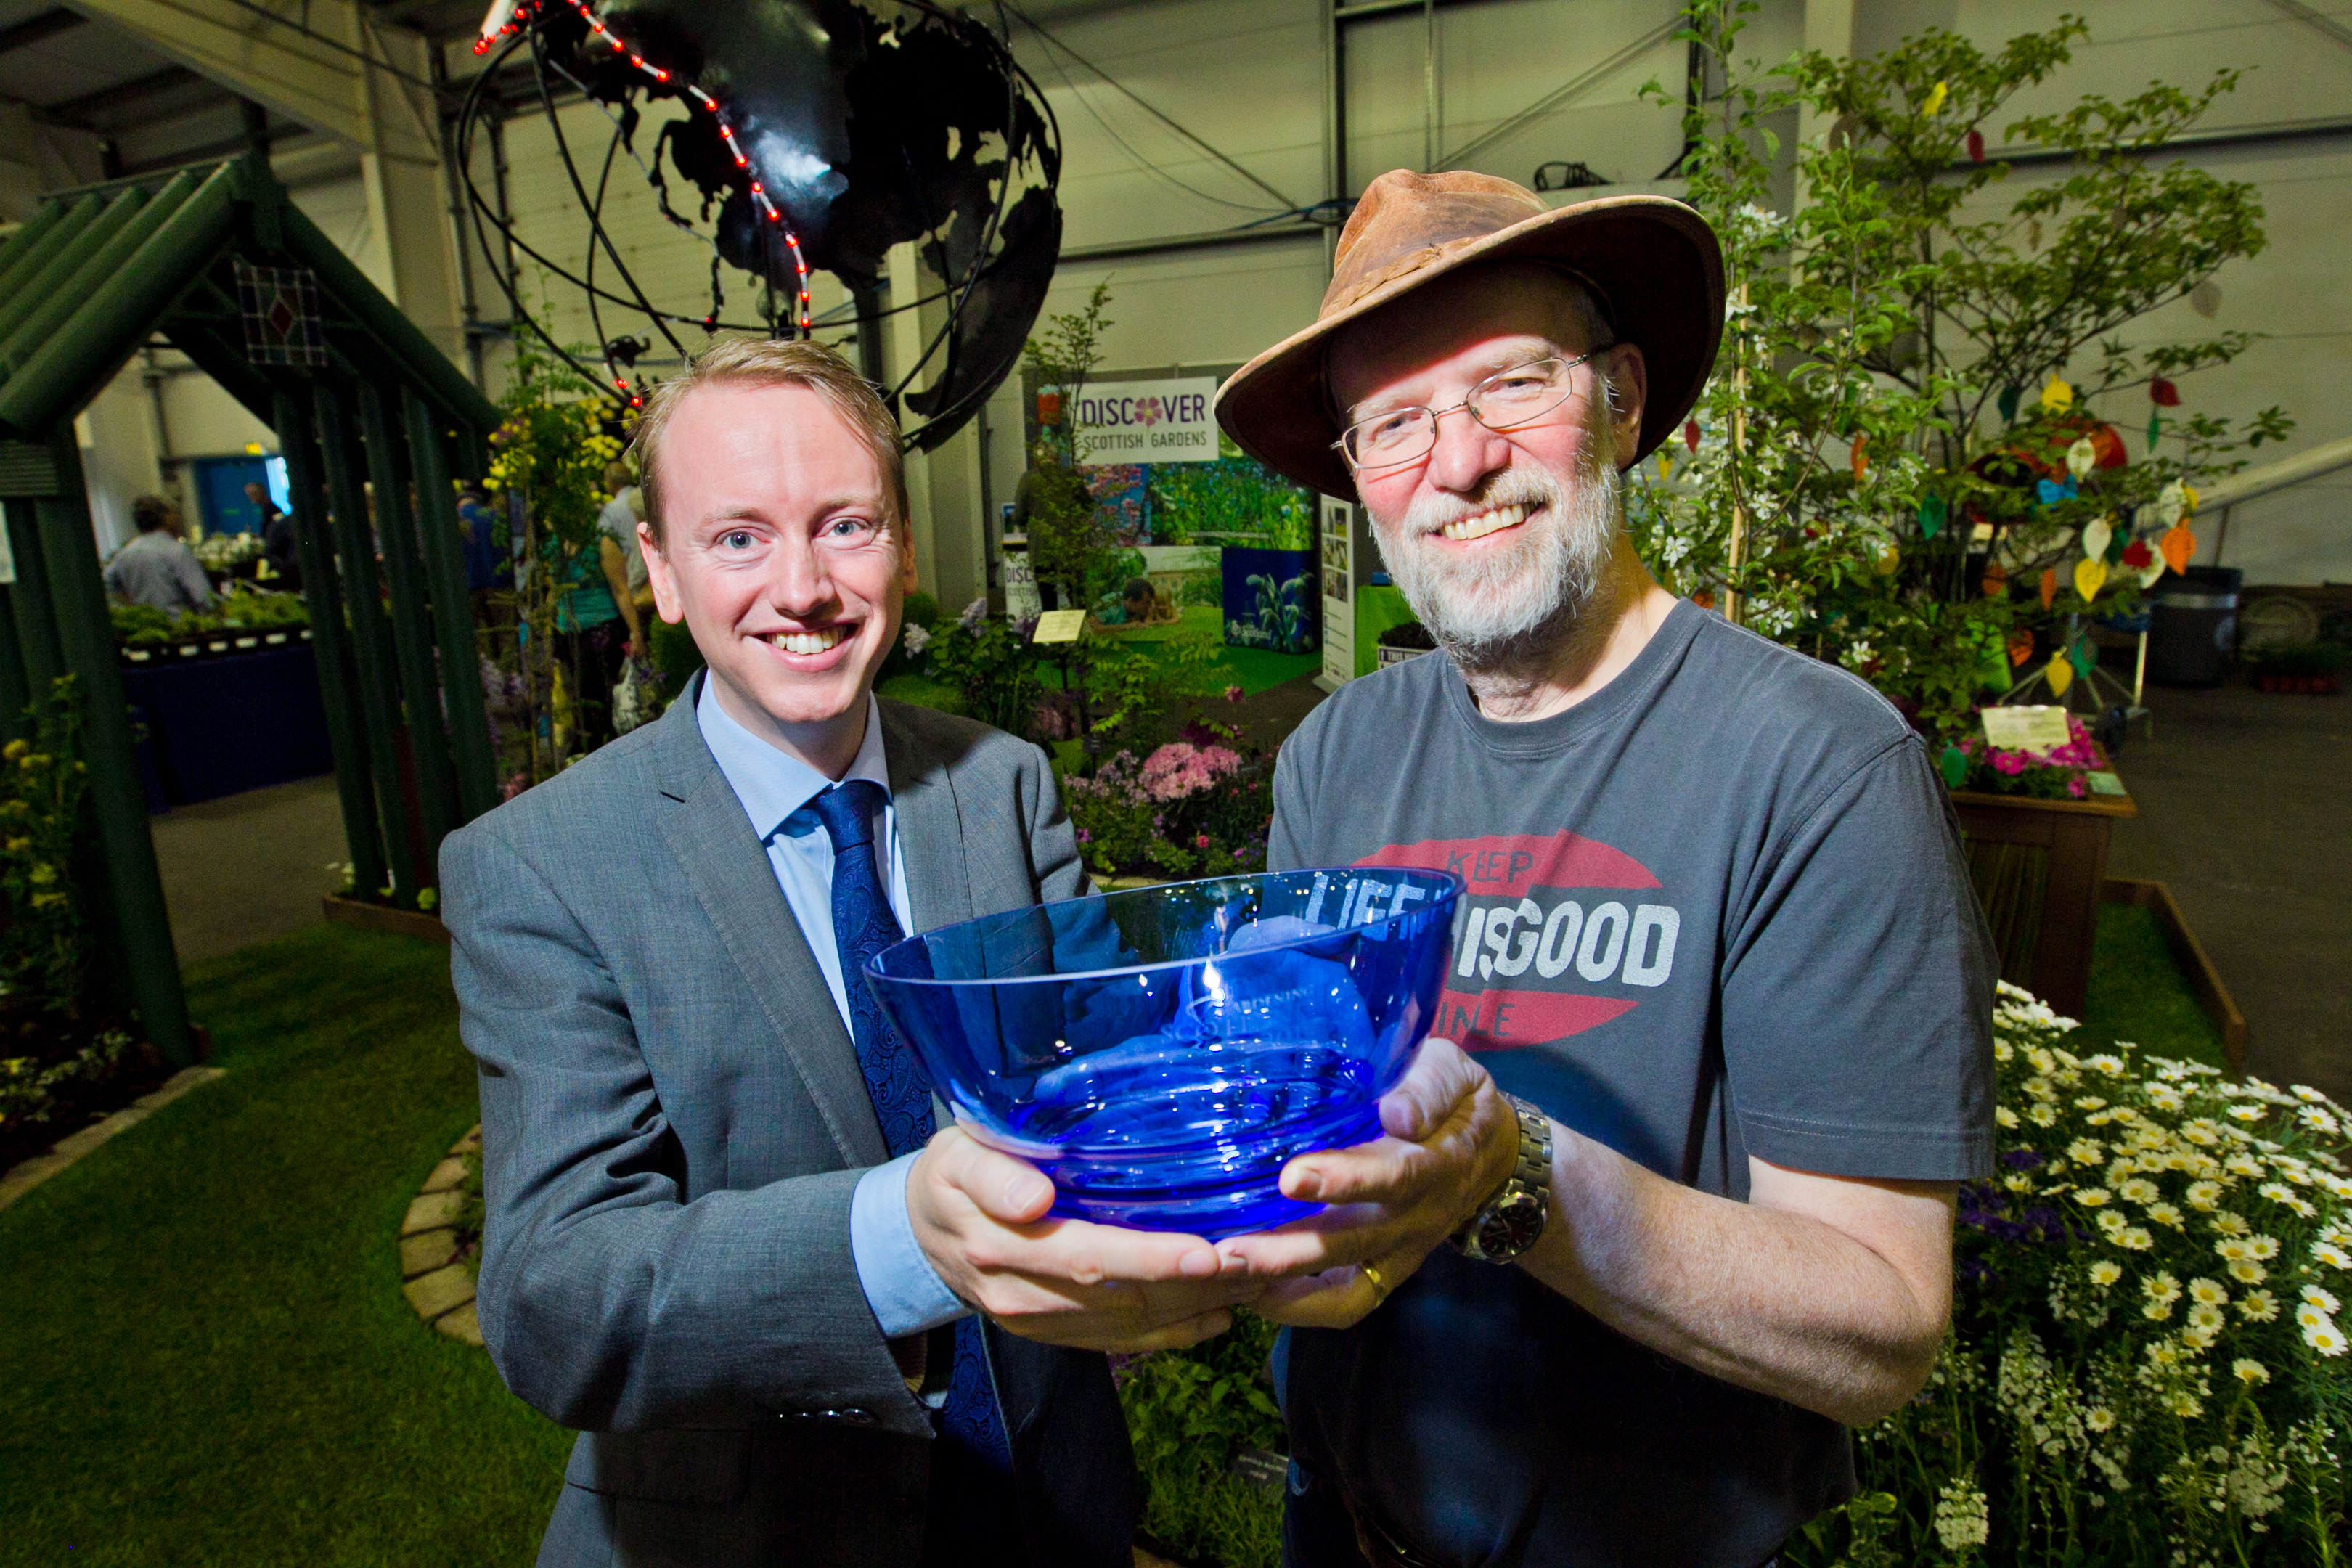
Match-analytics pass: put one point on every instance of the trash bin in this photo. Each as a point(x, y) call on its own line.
point(2193, 627)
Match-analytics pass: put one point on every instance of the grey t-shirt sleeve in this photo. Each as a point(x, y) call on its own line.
point(1284, 846)
point(1857, 989)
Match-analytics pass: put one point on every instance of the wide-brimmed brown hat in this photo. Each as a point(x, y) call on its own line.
point(1652, 263)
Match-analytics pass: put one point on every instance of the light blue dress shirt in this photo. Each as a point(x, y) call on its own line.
point(905, 1291)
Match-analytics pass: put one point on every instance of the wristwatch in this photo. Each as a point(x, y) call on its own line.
point(1511, 1221)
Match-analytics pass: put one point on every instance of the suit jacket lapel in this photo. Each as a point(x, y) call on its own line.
point(930, 828)
point(704, 824)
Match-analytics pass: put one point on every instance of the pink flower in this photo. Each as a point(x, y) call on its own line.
point(1232, 694)
point(1202, 842)
point(2010, 763)
point(2074, 787)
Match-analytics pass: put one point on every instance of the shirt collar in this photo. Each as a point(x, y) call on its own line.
point(770, 784)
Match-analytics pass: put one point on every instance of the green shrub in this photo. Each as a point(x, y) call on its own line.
point(1188, 1413)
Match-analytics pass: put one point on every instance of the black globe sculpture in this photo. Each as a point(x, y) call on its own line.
point(818, 135)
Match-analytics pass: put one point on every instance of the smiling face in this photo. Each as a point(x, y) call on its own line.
point(782, 554)
point(1496, 538)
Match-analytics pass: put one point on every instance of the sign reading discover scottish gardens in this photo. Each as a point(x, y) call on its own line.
point(1146, 422)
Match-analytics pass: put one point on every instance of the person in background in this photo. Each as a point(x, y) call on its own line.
point(624, 565)
point(594, 625)
point(155, 569)
point(475, 523)
point(277, 539)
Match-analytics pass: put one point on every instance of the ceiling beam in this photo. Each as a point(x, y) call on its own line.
point(108, 106)
point(38, 30)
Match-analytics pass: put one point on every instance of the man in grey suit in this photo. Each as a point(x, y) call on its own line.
point(724, 1239)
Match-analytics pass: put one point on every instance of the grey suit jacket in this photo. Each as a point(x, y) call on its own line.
point(673, 1120)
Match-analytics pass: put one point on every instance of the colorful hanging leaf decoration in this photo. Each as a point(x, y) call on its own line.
point(1954, 765)
point(1936, 96)
point(1933, 510)
point(2163, 393)
point(2082, 656)
point(2096, 535)
point(2048, 586)
point(1861, 459)
point(2188, 498)
point(1690, 434)
point(1976, 146)
point(2081, 456)
point(2007, 402)
point(1996, 579)
point(2056, 394)
point(2180, 547)
point(2090, 576)
point(2136, 555)
point(2155, 432)
point(1665, 463)
point(2020, 646)
point(2059, 673)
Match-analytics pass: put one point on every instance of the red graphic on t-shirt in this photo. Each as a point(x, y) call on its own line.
point(1520, 862)
point(1501, 871)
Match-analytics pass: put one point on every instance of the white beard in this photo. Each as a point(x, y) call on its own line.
point(1497, 611)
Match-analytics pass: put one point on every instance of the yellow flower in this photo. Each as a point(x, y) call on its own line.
point(2246, 1273)
point(2092, 1198)
point(2230, 1224)
point(2160, 1287)
point(13, 750)
point(2249, 1371)
point(2206, 1319)
point(2250, 1114)
point(2140, 1190)
point(2004, 1115)
point(2165, 1213)
point(2244, 1165)
point(2204, 1196)
point(2258, 1307)
point(2086, 1150)
point(2018, 1181)
point(2090, 1103)
point(2261, 1248)
point(2134, 1238)
point(2099, 1418)
point(2041, 1115)
point(42, 875)
point(2208, 1292)
point(2112, 1066)
point(2105, 1272)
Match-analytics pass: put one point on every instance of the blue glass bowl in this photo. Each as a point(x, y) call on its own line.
point(1161, 1052)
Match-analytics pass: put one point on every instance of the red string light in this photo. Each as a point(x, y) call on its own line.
point(760, 197)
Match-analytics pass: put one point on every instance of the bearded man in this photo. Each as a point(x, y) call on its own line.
point(1724, 987)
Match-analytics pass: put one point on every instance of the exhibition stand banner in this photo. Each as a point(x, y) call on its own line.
point(1165, 421)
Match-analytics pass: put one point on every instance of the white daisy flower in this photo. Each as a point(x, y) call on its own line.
point(2105, 1272)
point(2134, 1238)
point(2258, 1307)
point(2204, 1196)
point(2139, 1190)
point(2324, 1338)
point(2320, 1299)
point(2208, 1292)
point(2249, 1371)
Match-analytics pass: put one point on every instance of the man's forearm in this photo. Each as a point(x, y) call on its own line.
point(1774, 1300)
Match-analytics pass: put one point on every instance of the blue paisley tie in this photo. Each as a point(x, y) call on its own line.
point(895, 1081)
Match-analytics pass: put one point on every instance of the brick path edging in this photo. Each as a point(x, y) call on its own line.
point(436, 1282)
point(25, 1175)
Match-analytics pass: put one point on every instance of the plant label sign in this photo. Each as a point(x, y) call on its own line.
point(2035, 729)
point(1145, 422)
point(1059, 626)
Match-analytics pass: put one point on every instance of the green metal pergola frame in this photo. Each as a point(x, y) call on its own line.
point(84, 283)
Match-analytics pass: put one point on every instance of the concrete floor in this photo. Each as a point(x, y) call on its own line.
point(2245, 802)
point(248, 867)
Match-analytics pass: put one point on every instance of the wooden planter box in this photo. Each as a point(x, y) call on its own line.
point(384, 917)
point(2039, 869)
point(2204, 980)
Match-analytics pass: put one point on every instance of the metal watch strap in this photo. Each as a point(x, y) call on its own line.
point(1528, 1186)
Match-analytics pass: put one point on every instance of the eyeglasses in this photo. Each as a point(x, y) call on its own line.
point(1507, 400)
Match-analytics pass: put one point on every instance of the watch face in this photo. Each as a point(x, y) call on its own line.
point(1512, 1227)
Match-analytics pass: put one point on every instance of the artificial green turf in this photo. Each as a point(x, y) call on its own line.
point(2138, 993)
point(205, 1355)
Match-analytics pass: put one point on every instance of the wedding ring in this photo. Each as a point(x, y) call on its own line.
point(1380, 1286)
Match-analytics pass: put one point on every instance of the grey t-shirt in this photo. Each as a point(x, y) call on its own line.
point(1717, 909)
point(158, 571)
